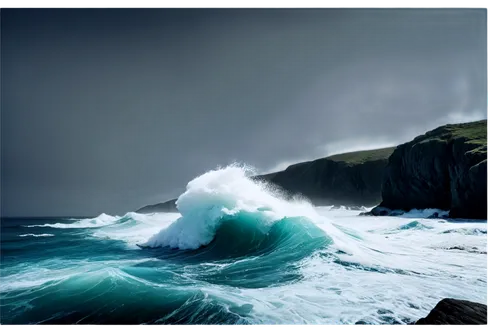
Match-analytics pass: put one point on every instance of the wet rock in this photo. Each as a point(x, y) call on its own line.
point(456, 312)
point(380, 211)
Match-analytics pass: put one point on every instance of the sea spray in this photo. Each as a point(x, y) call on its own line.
point(218, 196)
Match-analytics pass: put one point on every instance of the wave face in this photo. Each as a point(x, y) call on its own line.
point(237, 253)
point(228, 199)
point(225, 215)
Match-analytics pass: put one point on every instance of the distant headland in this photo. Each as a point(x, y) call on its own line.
point(445, 168)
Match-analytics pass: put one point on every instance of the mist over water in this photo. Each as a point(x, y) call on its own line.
point(236, 253)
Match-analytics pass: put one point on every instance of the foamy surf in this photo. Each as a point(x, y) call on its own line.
point(223, 195)
point(37, 235)
point(96, 222)
point(425, 213)
point(134, 228)
point(238, 253)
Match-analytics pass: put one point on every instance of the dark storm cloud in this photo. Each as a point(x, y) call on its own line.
point(108, 110)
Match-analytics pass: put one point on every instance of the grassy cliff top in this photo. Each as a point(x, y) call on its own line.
point(351, 158)
point(473, 132)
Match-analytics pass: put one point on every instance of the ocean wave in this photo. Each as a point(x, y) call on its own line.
point(36, 235)
point(226, 196)
point(32, 277)
point(102, 294)
point(408, 226)
point(134, 228)
point(53, 271)
point(96, 222)
point(225, 215)
point(238, 253)
point(414, 225)
point(466, 231)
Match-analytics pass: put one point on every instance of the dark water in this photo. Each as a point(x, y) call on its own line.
point(59, 275)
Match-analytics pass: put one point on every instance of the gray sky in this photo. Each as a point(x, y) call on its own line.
point(109, 110)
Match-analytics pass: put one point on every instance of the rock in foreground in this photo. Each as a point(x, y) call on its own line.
point(456, 312)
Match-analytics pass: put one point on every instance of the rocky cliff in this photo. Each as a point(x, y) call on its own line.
point(164, 207)
point(445, 168)
point(348, 179)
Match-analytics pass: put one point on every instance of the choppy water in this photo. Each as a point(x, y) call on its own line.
point(237, 255)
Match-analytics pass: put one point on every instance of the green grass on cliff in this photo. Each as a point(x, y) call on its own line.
point(474, 132)
point(352, 158)
point(363, 156)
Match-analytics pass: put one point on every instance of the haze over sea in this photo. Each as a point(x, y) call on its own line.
point(238, 254)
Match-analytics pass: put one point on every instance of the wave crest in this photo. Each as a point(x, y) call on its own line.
point(36, 235)
point(222, 196)
point(95, 222)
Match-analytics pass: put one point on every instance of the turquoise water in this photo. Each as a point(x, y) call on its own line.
point(66, 276)
point(237, 254)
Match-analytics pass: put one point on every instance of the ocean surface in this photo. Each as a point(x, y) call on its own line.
point(238, 254)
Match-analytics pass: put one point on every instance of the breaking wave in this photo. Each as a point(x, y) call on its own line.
point(414, 225)
point(226, 204)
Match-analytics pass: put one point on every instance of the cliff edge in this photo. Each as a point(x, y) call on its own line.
point(348, 179)
point(164, 207)
point(445, 168)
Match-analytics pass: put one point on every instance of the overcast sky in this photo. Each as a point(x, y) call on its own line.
point(109, 110)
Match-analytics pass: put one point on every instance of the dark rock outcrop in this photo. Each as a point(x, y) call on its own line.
point(456, 312)
point(164, 207)
point(350, 179)
point(445, 168)
point(383, 211)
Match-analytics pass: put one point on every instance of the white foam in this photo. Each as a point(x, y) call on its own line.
point(411, 267)
point(36, 235)
point(54, 271)
point(96, 222)
point(134, 228)
point(221, 193)
point(26, 276)
point(399, 264)
point(386, 266)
